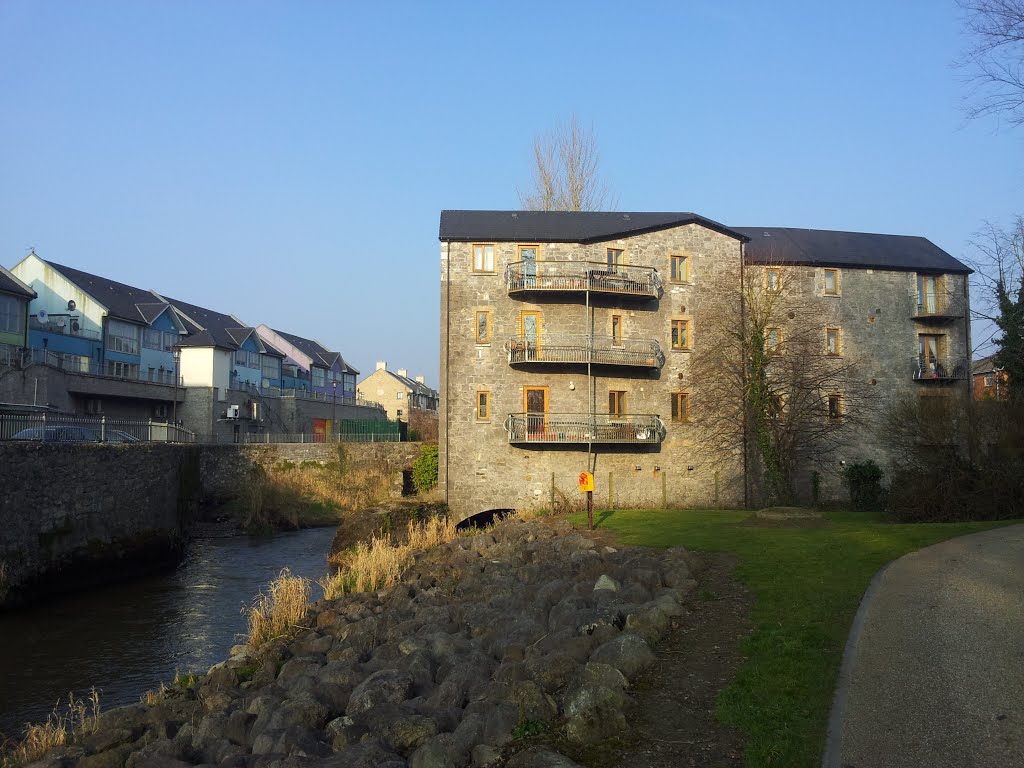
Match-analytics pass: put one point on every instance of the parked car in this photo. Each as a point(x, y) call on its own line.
point(63, 434)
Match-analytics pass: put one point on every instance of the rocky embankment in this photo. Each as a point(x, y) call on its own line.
point(484, 640)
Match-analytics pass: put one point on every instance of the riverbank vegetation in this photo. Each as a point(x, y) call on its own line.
point(78, 718)
point(808, 578)
point(273, 613)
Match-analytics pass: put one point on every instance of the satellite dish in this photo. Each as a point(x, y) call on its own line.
point(41, 316)
point(75, 326)
point(60, 323)
point(71, 305)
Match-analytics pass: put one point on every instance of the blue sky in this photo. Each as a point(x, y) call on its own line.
point(287, 162)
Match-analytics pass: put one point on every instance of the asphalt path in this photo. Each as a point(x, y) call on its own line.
point(933, 674)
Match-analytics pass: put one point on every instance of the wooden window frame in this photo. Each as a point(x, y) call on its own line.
point(768, 346)
point(476, 327)
point(483, 414)
point(680, 409)
point(472, 258)
point(777, 271)
point(618, 397)
point(835, 283)
point(684, 262)
point(520, 247)
point(618, 262)
point(616, 339)
point(839, 341)
point(688, 326)
point(837, 413)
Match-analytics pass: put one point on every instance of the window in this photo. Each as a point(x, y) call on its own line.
point(483, 257)
point(398, 413)
point(122, 337)
point(680, 269)
point(614, 259)
point(831, 282)
point(772, 339)
point(483, 327)
point(319, 377)
point(152, 338)
point(835, 407)
point(270, 367)
point(680, 334)
point(122, 370)
point(616, 403)
point(989, 380)
point(927, 295)
point(832, 341)
point(616, 330)
point(246, 359)
point(400, 395)
point(773, 280)
point(680, 406)
point(12, 315)
point(483, 405)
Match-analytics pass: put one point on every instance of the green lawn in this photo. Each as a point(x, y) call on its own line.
point(807, 583)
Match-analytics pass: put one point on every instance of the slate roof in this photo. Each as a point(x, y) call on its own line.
point(415, 386)
point(9, 283)
point(124, 302)
point(562, 226)
point(209, 328)
point(822, 247)
point(320, 355)
point(984, 365)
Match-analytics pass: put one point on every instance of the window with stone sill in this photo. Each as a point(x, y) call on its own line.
point(483, 405)
point(483, 257)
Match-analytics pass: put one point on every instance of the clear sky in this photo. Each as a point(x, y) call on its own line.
point(287, 161)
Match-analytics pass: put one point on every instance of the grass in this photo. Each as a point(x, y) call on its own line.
point(79, 718)
point(807, 582)
point(378, 564)
point(272, 615)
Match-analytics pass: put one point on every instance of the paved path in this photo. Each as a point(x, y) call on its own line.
point(934, 672)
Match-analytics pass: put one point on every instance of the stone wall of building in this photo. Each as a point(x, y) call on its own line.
point(75, 514)
point(481, 470)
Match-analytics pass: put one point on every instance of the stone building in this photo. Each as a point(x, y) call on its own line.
point(568, 343)
point(398, 393)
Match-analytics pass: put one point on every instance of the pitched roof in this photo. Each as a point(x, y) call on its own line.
point(783, 245)
point(562, 226)
point(9, 283)
point(984, 365)
point(321, 356)
point(209, 328)
point(412, 384)
point(124, 302)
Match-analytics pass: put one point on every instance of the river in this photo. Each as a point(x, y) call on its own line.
point(125, 639)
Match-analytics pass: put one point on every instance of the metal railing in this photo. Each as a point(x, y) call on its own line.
point(70, 363)
point(939, 307)
point(579, 348)
point(304, 437)
point(583, 428)
point(595, 276)
point(940, 368)
point(54, 326)
point(59, 428)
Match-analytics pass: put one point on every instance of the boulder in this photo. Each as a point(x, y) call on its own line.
point(628, 653)
point(384, 686)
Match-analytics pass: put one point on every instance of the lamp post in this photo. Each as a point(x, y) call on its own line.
point(174, 404)
point(334, 410)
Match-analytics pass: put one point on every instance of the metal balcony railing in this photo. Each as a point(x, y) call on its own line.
point(578, 348)
point(583, 428)
point(940, 368)
point(579, 276)
point(938, 308)
point(64, 327)
point(78, 364)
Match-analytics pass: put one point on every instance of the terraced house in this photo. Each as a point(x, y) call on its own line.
point(568, 343)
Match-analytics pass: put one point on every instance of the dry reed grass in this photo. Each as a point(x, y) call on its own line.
point(379, 564)
point(79, 718)
point(271, 615)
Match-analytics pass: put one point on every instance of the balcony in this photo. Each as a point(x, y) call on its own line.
point(583, 428)
point(571, 349)
point(939, 369)
point(573, 277)
point(63, 327)
point(938, 310)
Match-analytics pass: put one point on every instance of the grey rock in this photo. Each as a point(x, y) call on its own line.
point(552, 672)
point(384, 686)
point(299, 666)
point(438, 752)
point(605, 582)
point(594, 712)
point(628, 653)
point(540, 757)
point(365, 754)
point(484, 755)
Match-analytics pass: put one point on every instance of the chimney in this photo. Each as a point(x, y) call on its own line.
point(419, 379)
point(382, 365)
point(403, 372)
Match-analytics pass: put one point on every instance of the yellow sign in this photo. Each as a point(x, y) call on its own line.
point(586, 482)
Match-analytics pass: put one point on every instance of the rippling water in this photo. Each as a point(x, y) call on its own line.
point(126, 639)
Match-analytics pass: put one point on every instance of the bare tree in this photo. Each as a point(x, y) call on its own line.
point(565, 172)
point(769, 384)
point(995, 57)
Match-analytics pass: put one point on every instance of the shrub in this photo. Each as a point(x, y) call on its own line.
point(79, 719)
point(424, 469)
point(864, 481)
